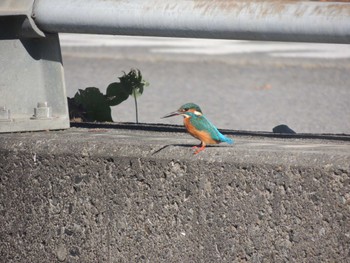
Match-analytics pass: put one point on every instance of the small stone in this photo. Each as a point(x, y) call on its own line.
point(283, 129)
point(61, 252)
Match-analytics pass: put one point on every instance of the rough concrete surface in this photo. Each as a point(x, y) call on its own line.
point(107, 195)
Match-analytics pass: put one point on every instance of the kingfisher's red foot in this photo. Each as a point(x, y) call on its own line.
point(200, 149)
point(197, 146)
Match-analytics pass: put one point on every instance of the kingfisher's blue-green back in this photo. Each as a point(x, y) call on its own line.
point(201, 123)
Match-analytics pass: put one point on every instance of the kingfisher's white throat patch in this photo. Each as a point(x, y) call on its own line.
point(197, 113)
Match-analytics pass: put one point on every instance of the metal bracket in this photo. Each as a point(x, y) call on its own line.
point(30, 71)
point(19, 14)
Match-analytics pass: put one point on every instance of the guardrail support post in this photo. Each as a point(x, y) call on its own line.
point(31, 71)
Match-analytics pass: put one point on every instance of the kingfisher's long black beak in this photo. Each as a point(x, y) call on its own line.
point(171, 114)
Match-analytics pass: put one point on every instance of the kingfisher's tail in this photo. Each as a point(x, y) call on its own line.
point(229, 140)
point(223, 138)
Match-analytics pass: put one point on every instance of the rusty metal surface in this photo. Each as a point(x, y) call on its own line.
point(305, 21)
point(267, 8)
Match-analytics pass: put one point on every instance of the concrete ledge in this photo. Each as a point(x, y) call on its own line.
point(113, 195)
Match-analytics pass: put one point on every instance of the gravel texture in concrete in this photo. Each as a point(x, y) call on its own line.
point(114, 195)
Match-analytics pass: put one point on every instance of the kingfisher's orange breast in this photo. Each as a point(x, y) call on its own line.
point(203, 136)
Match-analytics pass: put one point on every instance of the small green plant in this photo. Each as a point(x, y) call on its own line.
point(91, 105)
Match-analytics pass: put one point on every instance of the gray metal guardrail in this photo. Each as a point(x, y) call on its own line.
point(32, 90)
point(310, 21)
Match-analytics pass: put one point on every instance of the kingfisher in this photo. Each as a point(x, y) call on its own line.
point(199, 126)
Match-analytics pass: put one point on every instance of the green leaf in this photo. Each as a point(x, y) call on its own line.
point(116, 93)
point(95, 104)
point(133, 82)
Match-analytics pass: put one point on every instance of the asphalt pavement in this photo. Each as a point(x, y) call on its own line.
point(240, 85)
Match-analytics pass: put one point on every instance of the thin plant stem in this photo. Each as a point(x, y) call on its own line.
point(137, 113)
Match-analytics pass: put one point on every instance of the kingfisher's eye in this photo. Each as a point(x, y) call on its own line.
point(186, 109)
